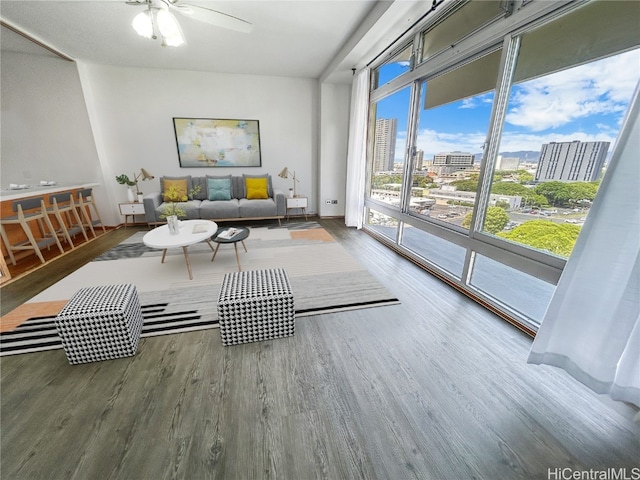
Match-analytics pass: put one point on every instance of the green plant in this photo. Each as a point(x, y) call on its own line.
point(124, 180)
point(175, 197)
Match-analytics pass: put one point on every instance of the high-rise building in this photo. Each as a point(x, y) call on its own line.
point(384, 146)
point(507, 163)
point(571, 161)
point(450, 162)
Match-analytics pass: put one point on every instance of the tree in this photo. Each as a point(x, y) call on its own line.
point(524, 176)
point(561, 194)
point(510, 188)
point(557, 238)
point(494, 222)
point(470, 185)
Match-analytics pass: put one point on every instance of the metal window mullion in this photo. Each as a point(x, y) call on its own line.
point(412, 131)
point(492, 144)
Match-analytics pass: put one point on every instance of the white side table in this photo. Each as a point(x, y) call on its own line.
point(131, 210)
point(297, 202)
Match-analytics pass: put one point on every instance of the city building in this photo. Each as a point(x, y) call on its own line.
point(507, 163)
point(571, 161)
point(384, 146)
point(450, 162)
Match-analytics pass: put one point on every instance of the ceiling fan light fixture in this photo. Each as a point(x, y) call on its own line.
point(143, 24)
point(169, 28)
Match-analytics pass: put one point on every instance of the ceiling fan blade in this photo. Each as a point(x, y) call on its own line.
point(212, 17)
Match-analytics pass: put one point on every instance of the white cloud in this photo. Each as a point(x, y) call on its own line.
point(433, 142)
point(468, 103)
point(555, 100)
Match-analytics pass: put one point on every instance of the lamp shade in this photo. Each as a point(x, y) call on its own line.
point(143, 24)
point(169, 28)
point(284, 173)
point(146, 175)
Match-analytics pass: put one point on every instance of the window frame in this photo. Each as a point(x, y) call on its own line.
point(497, 34)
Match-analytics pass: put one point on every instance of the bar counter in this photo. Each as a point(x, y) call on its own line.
point(8, 196)
point(38, 190)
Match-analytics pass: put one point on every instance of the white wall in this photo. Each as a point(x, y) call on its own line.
point(334, 130)
point(45, 127)
point(131, 113)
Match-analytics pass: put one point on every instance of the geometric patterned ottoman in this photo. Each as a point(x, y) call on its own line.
point(100, 323)
point(255, 305)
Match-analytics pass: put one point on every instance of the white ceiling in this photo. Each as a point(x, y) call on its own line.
point(297, 38)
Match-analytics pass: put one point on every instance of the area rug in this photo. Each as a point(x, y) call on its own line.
point(324, 278)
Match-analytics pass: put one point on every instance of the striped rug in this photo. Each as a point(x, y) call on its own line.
point(324, 278)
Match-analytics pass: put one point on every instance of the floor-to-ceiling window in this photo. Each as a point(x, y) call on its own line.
point(500, 144)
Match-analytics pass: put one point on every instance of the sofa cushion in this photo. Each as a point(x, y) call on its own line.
point(257, 208)
point(170, 180)
point(219, 209)
point(256, 188)
point(218, 188)
point(264, 175)
point(199, 188)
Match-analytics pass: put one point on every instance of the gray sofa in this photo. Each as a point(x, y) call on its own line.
point(200, 207)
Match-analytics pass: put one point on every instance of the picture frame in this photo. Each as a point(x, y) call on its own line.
point(217, 142)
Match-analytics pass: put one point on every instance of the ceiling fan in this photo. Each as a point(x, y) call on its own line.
point(158, 17)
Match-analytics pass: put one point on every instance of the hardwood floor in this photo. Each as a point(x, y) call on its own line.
point(434, 388)
point(22, 287)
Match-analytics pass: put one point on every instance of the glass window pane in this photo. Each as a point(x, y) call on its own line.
point(393, 68)
point(451, 132)
point(389, 145)
point(558, 136)
point(437, 250)
point(523, 293)
point(382, 224)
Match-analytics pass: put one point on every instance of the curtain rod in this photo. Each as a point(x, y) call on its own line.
point(37, 42)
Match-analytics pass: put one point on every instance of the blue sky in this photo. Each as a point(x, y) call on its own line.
point(585, 103)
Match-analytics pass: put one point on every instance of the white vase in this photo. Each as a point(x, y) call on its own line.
point(130, 195)
point(173, 224)
point(291, 193)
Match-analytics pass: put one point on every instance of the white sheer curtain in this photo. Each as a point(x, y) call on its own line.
point(592, 326)
point(357, 153)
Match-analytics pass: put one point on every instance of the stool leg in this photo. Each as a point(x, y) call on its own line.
point(63, 229)
point(164, 252)
point(7, 245)
point(53, 232)
point(33, 242)
point(244, 246)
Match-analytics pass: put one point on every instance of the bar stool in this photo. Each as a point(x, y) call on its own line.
point(84, 204)
point(29, 210)
point(63, 205)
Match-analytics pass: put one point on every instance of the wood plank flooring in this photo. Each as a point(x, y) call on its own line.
point(434, 388)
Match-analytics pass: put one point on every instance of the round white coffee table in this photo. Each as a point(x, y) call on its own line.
point(191, 232)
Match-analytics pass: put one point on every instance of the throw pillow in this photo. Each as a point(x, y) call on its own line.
point(218, 177)
point(263, 175)
point(180, 189)
point(219, 188)
point(256, 187)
